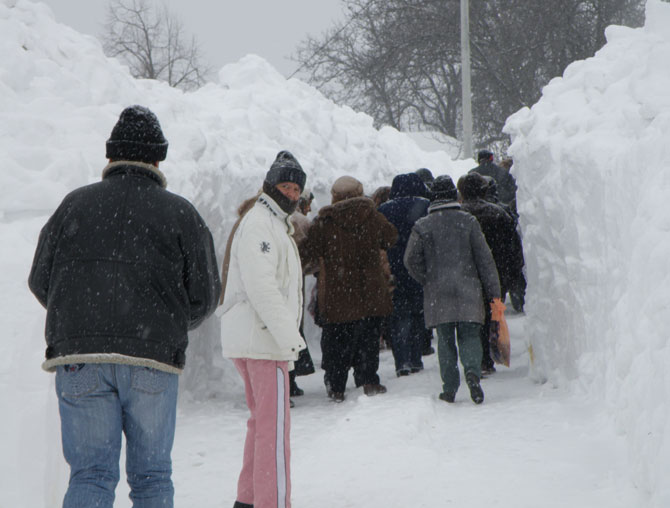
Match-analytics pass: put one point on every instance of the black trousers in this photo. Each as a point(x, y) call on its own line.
point(353, 344)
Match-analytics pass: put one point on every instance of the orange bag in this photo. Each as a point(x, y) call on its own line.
point(499, 334)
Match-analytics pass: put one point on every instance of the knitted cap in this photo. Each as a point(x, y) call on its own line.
point(286, 168)
point(137, 136)
point(443, 188)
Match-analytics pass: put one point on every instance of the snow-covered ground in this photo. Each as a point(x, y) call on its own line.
point(592, 173)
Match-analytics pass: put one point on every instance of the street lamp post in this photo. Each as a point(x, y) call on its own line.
point(465, 78)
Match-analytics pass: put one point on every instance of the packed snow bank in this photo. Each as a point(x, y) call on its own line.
point(59, 99)
point(591, 161)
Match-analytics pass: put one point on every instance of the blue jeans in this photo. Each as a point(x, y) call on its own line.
point(407, 340)
point(98, 402)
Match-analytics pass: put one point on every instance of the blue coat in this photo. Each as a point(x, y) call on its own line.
point(407, 204)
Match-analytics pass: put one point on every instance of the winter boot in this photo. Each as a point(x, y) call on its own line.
point(447, 396)
point(476, 392)
point(371, 390)
point(336, 396)
point(294, 389)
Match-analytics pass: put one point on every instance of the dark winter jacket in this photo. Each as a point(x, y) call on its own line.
point(506, 182)
point(448, 254)
point(407, 204)
point(345, 240)
point(499, 229)
point(516, 258)
point(124, 269)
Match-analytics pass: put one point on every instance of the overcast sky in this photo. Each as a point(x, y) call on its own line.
point(227, 29)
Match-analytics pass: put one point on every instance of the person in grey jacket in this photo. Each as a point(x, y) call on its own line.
point(448, 255)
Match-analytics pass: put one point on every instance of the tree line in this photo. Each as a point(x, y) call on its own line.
point(400, 61)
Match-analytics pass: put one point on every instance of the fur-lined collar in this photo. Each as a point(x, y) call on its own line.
point(443, 204)
point(143, 165)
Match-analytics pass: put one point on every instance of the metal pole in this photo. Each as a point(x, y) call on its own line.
point(465, 79)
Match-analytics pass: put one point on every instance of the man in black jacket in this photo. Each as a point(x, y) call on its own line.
point(502, 176)
point(499, 229)
point(124, 268)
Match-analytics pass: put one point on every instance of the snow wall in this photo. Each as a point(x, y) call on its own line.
point(594, 180)
point(59, 99)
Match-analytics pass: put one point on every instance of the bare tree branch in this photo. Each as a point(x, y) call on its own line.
point(399, 60)
point(150, 41)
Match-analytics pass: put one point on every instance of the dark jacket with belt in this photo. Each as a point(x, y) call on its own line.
point(346, 239)
point(124, 268)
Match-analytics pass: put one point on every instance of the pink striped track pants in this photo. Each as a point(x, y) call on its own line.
point(265, 479)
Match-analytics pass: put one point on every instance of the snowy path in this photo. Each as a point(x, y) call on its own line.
point(526, 446)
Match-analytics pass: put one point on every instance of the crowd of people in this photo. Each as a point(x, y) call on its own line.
point(125, 269)
point(375, 282)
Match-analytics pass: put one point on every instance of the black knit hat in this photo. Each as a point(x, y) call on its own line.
point(286, 168)
point(443, 188)
point(137, 136)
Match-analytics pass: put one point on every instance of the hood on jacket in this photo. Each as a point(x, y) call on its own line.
point(408, 185)
point(350, 213)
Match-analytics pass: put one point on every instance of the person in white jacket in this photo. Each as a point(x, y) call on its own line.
point(260, 318)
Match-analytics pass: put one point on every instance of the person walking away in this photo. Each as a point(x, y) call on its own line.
point(506, 182)
point(260, 319)
point(516, 280)
point(380, 196)
point(426, 176)
point(304, 365)
point(353, 296)
point(448, 255)
point(124, 268)
point(406, 205)
point(499, 230)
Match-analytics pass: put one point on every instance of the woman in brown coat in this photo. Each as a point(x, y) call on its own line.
point(353, 296)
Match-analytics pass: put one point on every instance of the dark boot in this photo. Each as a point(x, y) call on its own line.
point(375, 389)
point(294, 390)
point(242, 505)
point(447, 396)
point(336, 396)
point(476, 392)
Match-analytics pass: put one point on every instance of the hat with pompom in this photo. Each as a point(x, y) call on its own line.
point(286, 168)
point(137, 136)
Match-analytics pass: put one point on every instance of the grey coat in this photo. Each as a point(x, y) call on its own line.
point(448, 255)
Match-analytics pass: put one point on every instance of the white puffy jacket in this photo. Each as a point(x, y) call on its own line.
point(261, 312)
